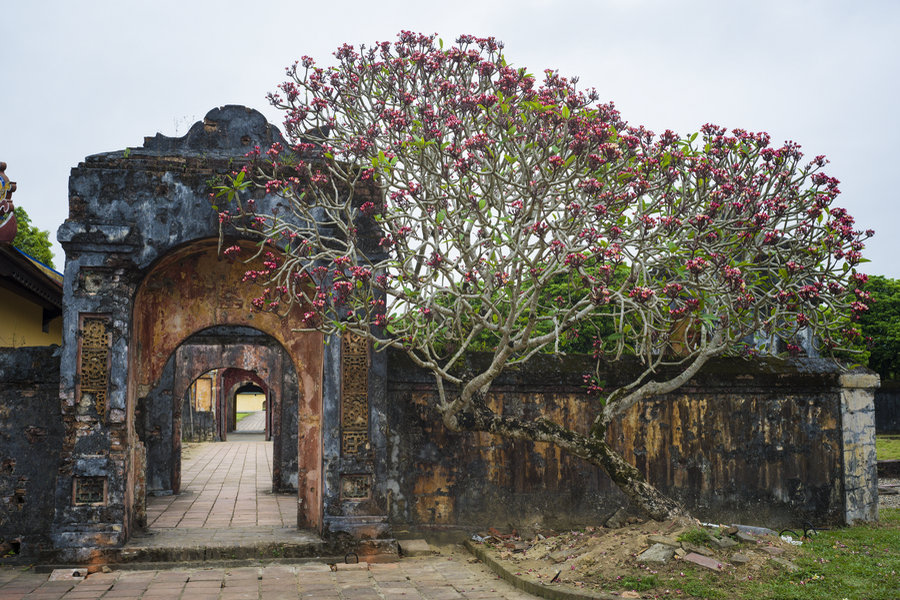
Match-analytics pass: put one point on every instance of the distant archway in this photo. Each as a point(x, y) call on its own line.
point(233, 381)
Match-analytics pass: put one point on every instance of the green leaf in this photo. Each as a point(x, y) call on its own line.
point(441, 216)
point(566, 112)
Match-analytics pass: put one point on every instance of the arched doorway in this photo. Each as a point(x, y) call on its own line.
point(193, 292)
point(243, 391)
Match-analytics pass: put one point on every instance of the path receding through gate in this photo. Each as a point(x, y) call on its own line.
point(226, 510)
point(224, 484)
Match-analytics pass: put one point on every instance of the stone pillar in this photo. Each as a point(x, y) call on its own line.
point(860, 466)
point(353, 453)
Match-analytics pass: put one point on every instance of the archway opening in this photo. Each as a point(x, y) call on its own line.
point(193, 314)
point(201, 471)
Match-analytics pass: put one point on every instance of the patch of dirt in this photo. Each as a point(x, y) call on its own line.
point(609, 559)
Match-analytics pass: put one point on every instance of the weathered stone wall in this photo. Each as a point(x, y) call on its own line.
point(759, 442)
point(143, 273)
point(887, 407)
point(31, 432)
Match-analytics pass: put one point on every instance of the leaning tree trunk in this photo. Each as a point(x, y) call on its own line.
point(592, 448)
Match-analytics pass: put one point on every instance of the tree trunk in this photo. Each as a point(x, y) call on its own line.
point(593, 449)
point(632, 482)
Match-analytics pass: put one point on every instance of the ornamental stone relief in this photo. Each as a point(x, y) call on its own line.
point(354, 395)
point(93, 366)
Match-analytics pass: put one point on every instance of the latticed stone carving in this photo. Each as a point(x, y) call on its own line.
point(89, 491)
point(93, 368)
point(356, 487)
point(354, 394)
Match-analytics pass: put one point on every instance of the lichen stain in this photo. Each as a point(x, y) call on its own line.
point(434, 502)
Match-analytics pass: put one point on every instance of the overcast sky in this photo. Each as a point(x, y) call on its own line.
point(79, 78)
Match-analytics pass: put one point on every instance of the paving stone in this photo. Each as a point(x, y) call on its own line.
point(740, 559)
point(773, 550)
point(425, 578)
point(657, 553)
point(704, 561)
point(746, 537)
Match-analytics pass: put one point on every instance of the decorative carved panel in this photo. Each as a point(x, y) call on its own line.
point(93, 366)
point(354, 394)
point(89, 491)
point(356, 487)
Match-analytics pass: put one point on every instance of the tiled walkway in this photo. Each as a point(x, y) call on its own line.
point(224, 484)
point(448, 577)
point(227, 501)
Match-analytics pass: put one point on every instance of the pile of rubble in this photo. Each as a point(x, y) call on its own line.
point(597, 557)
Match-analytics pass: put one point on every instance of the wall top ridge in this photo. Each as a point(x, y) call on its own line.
point(228, 131)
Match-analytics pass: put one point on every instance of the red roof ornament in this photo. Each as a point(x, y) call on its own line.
point(8, 226)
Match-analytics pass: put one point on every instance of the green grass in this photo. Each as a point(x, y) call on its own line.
point(638, 583)
point(239, 416)
point(851, 562)
point(698, 536)
point(887, 447)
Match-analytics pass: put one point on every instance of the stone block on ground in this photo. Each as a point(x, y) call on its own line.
point(773, 550)
point(657, 553)
point(663, 539)
point(696, 549)
point(76, 574)
point(723, 543)
point(559, 556)
point(415, 548)
point(740, 559)
point(748, 538)
point(704, 561)
point(618, 519)
point(785, 563)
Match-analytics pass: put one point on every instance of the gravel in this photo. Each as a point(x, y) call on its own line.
point(889, 500)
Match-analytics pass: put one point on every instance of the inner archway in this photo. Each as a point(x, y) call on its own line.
point(190, 291)
point(243, 392)
point(250, 405)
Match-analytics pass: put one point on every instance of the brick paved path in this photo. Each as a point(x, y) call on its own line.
point(255, 421)
point(447, 577)
point(224, 484)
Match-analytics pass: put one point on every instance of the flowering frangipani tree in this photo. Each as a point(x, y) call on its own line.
point(432, 193)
